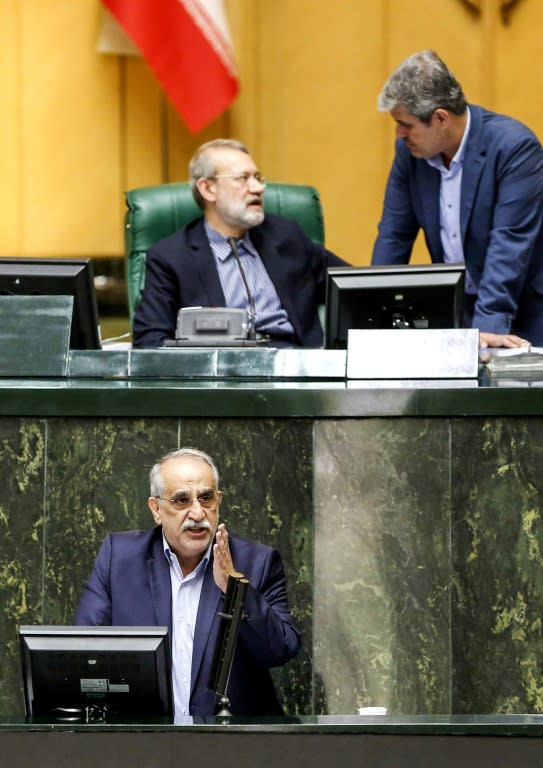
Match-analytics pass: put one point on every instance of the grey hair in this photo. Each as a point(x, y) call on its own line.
point(203, 164)
point(421, 84)
point(156, 481)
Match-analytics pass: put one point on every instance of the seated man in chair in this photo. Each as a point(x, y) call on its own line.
point(235, 257)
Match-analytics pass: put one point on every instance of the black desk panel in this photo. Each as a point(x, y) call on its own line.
point(403, 743)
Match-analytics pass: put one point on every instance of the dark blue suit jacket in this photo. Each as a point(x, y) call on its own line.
point(180, 272)
point(130, 586)
point(501, 220)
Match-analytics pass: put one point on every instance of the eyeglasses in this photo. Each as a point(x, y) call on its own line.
point(183, 501)
point(243, 179)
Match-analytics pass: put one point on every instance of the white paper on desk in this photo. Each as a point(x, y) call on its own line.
point(513, 352)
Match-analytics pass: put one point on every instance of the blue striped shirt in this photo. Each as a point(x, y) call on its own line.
point(271, 318)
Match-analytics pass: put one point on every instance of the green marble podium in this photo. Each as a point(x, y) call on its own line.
point(407, 513)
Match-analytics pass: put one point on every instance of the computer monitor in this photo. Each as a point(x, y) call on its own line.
point(57, 277)
point(67, 669)
point(395, 296)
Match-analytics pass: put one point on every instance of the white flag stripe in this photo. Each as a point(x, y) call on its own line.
point(210, 18)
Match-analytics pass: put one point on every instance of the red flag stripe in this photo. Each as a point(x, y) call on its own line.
point(196, 73)
point(211, 30)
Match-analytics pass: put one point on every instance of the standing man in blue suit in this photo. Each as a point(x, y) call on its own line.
point(473, 181)
point(174, 575)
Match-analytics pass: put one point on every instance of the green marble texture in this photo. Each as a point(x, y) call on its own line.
point(67, 482)
point(412, 545)
point(22, 480)
point(498, 555)
point(429, 554)
point(382, 573)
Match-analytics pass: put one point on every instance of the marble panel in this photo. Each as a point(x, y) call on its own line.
point(382, 565)
point(97, 482)
point(418, 583)
point(68, 482)
point(497, 469)
point(266, 471)
point(22, 514)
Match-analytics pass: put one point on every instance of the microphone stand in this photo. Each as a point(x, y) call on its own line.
point(225, 646)
point(252, 308)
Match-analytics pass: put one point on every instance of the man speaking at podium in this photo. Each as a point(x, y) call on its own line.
point(235, 256)
point(174, 574)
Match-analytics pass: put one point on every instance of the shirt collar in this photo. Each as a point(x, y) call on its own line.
point(220, 245)
point(202, 565)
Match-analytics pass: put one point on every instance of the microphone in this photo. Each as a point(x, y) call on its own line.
point(252, 308)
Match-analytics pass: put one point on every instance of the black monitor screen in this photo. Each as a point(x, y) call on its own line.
point(57, 277)
point(382, 297)
point(67, 669)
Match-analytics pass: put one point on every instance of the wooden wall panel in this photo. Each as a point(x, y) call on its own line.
point(519, 74)
point(10, 139)
point(141, 99)
point(244, 117)
point(319, 71)
point(181, 143)
point(70, 132)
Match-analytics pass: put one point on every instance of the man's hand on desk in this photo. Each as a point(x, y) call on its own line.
point(508, 340)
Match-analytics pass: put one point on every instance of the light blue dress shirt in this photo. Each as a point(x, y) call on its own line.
point(450, 196)
point(186, 591)
point(270, 316)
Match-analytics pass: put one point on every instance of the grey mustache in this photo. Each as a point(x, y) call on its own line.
point(195, 524)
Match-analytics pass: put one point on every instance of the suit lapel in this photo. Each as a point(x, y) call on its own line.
point(204, 265)
point(274, 263)
point(207, 611)
point(159, 582)
point(429, 184)
point(474, 161)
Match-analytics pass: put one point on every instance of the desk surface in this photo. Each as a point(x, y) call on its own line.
point(259, 383)
point(324, 742)
point(255, 384)
point(217, 398)
point(458, 725)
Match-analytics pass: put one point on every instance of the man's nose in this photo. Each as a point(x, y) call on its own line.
point(255, 185)
point(401, 132)
point(196, 511)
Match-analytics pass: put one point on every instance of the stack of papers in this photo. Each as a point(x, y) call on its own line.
point(520, 360)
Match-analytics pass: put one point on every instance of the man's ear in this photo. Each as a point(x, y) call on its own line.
point(206, 187)
point(442, 116)
point(154, 506)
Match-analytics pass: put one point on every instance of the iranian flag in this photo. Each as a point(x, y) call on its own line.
point(187, 45)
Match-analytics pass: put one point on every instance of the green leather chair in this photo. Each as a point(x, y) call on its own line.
point(155, 212)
